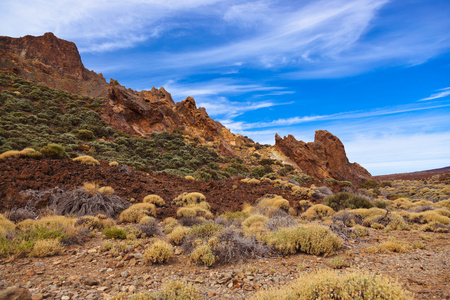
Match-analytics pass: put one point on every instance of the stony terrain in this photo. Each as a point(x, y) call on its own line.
point(84, 272)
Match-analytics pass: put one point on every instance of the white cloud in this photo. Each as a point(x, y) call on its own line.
point(337, 116)
point(445, 92)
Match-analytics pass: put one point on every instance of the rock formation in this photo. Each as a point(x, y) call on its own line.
point(50, 61)
point(323, 158)
point(56, 63)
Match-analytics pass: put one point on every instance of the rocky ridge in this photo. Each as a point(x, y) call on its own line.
point(323, 158)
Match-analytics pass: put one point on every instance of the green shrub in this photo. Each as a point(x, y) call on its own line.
point(310, 239)
point(203, 255)
point(53, 151)
point(345, 200)
point(86, 135)
point(369, 184)
point(205, 230)
point(115, 233)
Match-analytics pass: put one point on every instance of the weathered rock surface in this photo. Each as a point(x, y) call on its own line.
point(50, 61)
point(323, 158)
point(15, 293)
point(56, 63)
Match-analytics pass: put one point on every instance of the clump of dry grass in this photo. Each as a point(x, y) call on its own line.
point(169, 224)
point(113, 164)
point(189, 178)
point(178, 234)
point(302, 192)
point(318, 211)
point(390, 246)
point(136, 212)
point(310, 239)
point(6, 226)
point(106, 190)
point(44, 248)
point(155, 199)
point(273, 202)
point(402, 203)
point(252, 181)
point(203, 254)
point(15, 153)
point(87, 160)
point(186, 199)
point(158, 252)
point(331, 284)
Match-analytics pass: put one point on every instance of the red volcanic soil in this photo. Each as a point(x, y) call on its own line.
point(413, 175)
point(20, 174)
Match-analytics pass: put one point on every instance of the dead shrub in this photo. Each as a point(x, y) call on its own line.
point(79, 202)
point(22, 213)
point(191, 221)
point(280, 221)
point(150, 228)
point(233, 246)
point(347, 218)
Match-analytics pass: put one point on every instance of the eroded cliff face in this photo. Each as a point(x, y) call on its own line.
point(323, 158)
point(50, 61)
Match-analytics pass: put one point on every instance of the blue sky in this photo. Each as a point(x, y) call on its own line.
point(376, 73)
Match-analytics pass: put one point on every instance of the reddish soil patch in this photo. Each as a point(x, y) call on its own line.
point(20, 174)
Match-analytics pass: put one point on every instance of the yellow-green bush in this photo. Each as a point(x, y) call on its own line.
point(178, 234)
point(274, 201)
point(44, 248)
point(155, 199)
point(136, 212)
point(254, 219)
point(360, 230)
point(6, 226)
point(318, 211)
point(203, 255)
point(106, 190)
point(87, 160)
point(332, 284)
point(402, 203)
point(169, 224)
point(443, 203)
point(189, 199)
point(14, 153)
point(158, 252)
point(364, 212)
point(194, 211)
point(427, 217)
point(302, 192)
point(310, 239)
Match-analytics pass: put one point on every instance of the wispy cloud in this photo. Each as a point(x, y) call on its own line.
point(338, 116)
point(443, 93)
point(209, 94)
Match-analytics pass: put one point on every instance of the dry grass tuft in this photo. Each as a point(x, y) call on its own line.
point(155, 199)
point(159, 252)
point(114, 164)
point(331, 284)
point(136, 212)
point(106, 190)
point(402, 203)
point(273, 201)
point(44, 248)
point(318, 211)
point(310, 239)
point(203, 254)
point(186, 199)
point(169, 224)
point(189, 178)
point(178, 234)
point(87, 160)
point(6, 226)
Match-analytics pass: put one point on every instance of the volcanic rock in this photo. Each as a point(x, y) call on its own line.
point(50, 61)
point(323, 158)
point(56, 63)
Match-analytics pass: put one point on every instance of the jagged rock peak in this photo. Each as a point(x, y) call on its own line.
point(323, 158)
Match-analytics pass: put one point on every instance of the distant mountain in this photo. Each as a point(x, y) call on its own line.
point(414, 175)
